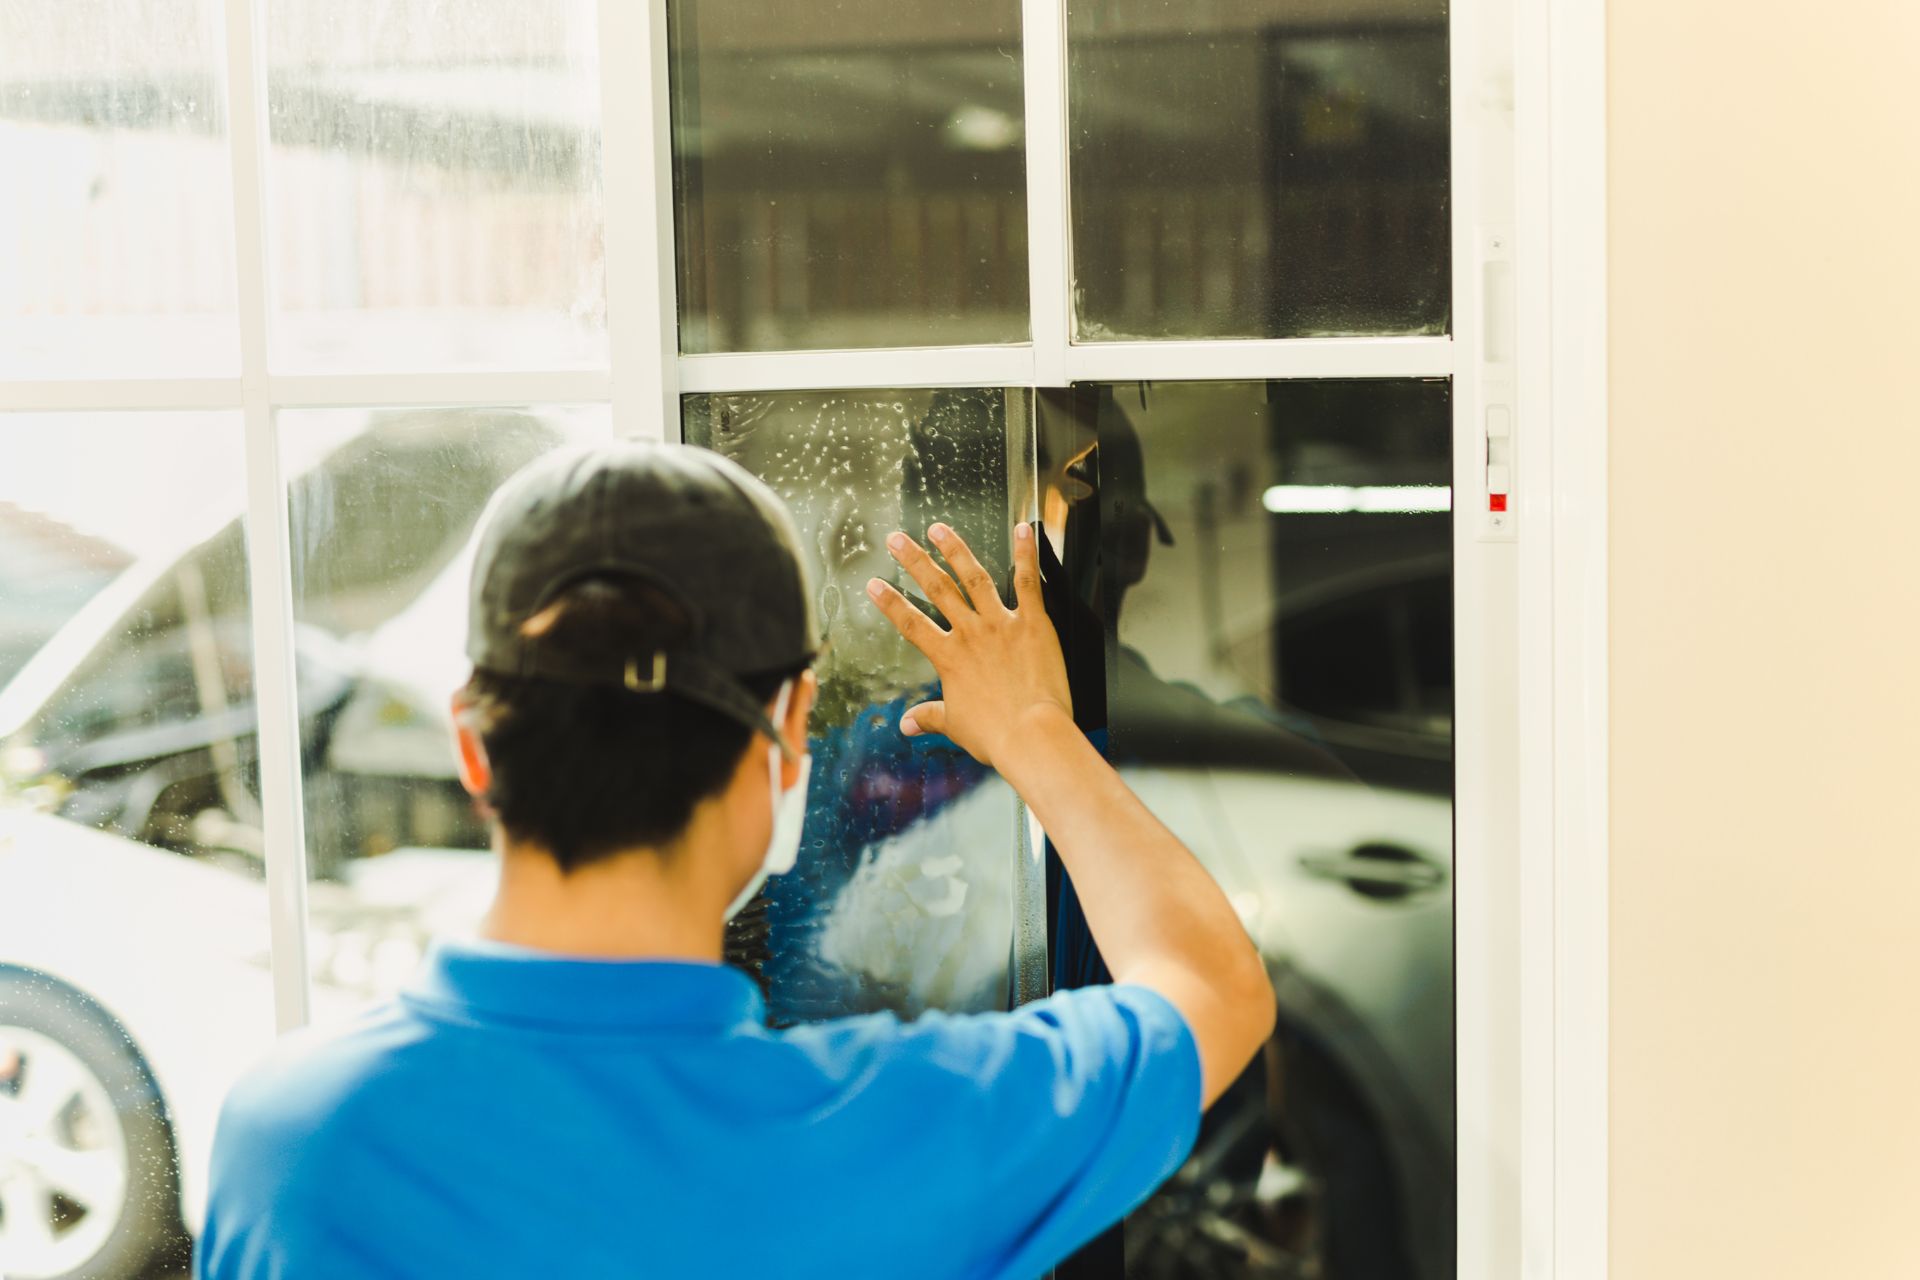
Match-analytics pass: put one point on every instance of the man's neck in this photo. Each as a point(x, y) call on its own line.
point(643, 904)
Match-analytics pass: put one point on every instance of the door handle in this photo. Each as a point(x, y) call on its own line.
point(1381, 871)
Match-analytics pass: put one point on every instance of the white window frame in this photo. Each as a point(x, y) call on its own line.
point(1531, 755)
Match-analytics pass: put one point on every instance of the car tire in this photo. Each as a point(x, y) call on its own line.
point(1290, 1179)
point(47, 1025)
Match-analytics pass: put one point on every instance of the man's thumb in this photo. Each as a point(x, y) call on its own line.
point(928, 717)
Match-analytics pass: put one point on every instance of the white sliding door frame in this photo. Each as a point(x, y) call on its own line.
point(1561, 246)
point(1528, 241)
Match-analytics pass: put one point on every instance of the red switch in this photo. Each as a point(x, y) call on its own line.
point(1496, 502)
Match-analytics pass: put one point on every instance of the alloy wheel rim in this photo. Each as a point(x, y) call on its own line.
point(63, 1157)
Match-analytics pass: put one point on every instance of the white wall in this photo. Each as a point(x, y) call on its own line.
point(1765, 187)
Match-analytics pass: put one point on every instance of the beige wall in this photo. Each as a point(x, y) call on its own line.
point(1765, 256)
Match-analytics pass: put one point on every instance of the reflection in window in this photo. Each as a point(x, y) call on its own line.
point(1262, 573)
point(126, 781)
point(116, 254)
point(902, 897)
point(436, 184)
point(381, 512)
point(849, 175)
point(1258, 170)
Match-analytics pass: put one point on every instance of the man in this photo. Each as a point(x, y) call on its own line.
point(585, 1090)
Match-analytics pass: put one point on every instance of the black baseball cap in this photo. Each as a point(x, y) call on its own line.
point(683, 521)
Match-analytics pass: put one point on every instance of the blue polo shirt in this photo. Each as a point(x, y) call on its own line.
point(520, 1114)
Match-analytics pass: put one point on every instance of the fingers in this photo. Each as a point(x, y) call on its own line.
point(932, 578)
point(915, 627)
point(927, 717)
point(977, 581)
point(1026, 569)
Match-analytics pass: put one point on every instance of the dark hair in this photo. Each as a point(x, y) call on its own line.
point(586, 771)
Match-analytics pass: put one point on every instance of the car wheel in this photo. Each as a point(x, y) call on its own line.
point(89, 1189)
point(1289, 1180)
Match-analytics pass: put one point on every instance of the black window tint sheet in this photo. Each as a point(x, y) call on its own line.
point(1262, 169)
point(1260, 573)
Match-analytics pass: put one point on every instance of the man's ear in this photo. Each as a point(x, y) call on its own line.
point(470, 754)
point(806, 687)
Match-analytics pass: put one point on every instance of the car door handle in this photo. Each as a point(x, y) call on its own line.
point(1383, 871)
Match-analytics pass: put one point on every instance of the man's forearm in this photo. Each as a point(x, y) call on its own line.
point(1157, 915)
point(1155, 911)
point(1138, 884)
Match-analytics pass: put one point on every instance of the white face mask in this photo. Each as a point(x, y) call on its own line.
point(789, 812)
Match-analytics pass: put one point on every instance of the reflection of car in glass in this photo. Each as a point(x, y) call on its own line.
point(1269, 658)
point(1365, 664)
point(1338, 1144)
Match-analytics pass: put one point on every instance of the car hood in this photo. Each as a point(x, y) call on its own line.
point(399, 721)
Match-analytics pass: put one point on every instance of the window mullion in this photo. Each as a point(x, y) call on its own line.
point(269, 560)
point(636, 157)
point(478, 387)
point(1043, 38)
point(1261, 359)
point(1018, 366)
point(1008, 366)
point(1049, 270)
point(103, 395)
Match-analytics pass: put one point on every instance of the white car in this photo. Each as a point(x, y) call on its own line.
point(134, 988)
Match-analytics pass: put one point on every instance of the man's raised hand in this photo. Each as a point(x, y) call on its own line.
point(1000, 669)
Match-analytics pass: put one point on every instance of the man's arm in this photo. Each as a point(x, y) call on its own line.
point(1159, 918)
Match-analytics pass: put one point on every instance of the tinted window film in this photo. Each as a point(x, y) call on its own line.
point(1264, 169)
point(849, 175)
point(1260, 571)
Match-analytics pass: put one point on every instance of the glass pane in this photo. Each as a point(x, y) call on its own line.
point(116, 233)
point(382, 511)
point(1259, 168)
point(902, 898)
point(849, 175)
point(133, 923)
point(1263, 571)
point(436, 185)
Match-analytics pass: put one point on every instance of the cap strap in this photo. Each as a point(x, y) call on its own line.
point(713, 687)
point(687, 674)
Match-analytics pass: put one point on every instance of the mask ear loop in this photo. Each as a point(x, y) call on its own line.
point(775, 799)
point(778, 748)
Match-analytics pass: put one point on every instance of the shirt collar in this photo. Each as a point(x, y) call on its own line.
point(495, 982)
